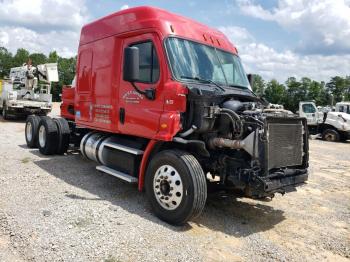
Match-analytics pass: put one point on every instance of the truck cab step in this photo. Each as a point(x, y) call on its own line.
point(117, 174)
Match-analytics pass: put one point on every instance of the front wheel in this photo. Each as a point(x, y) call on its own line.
point(331, 135)
point(176, 186)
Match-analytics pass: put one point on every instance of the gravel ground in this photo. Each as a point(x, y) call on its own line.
point(60, 208)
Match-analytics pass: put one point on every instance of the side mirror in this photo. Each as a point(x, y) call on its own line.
point(251, 79)
point(131, 71)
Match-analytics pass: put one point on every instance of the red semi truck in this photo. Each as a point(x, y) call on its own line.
point(163, 101)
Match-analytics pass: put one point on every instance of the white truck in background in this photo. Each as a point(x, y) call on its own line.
point(343, 107)
point(28, 90)
point(333, 126)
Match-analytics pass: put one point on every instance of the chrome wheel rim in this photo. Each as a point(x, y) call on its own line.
point(42, 136)
point(167, 187)
point(29, 133)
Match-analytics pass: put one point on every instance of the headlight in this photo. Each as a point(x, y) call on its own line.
point(346, 126)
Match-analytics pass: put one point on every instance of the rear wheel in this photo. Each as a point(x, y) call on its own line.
point(176, 186)
point(63, 135)
point(31, 131)
point(47, 136)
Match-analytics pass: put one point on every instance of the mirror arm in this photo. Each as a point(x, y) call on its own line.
point(148, 93)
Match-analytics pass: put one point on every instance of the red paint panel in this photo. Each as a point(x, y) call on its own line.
point(144, 162)
point(67, 102)
point(166, 23)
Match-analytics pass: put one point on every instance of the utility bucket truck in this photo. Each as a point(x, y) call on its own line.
point(28, 90)
point(163, 101)
point(333, 126)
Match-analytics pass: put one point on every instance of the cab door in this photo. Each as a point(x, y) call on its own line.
point(309, 111)
point(139, 115)
point(83, 112)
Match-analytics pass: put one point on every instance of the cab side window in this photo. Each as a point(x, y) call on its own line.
point(308, 108)
point(149, 65)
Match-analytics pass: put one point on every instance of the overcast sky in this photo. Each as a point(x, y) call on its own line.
point(275, 38)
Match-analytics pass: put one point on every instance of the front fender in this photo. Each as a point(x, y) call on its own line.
point(169, 126)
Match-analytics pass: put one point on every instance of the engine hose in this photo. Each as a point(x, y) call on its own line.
point(232, 121)
point(188, 132)
point(233, 114)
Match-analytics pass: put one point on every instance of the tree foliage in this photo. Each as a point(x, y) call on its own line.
point(259, 85)
point(339, 87)
point(20, 57)
point(275, 92)
point(6, 61)
point(288, 94)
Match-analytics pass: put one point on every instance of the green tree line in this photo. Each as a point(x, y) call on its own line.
point(292, 91)
point(66, 66)
point(289, 93)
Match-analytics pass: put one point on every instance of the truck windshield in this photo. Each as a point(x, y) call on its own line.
point(191, 60)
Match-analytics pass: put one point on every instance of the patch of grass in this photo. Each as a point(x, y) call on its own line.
point(111, 259)
point(25, 160)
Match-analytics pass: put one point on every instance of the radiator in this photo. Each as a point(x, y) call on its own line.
point(284, 143)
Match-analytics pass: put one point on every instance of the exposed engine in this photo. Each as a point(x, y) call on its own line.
point(250, 147)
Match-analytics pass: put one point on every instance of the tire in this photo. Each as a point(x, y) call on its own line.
point(63, 135)
point(344, 137)
point(5, 115)
point(184, 197)
point(331, 135)
point(47, 136)
point(31, 131)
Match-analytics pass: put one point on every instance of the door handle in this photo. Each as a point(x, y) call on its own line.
point(122, 115)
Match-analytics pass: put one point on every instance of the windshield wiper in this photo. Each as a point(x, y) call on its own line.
point(208, 81)
point(238, 86)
